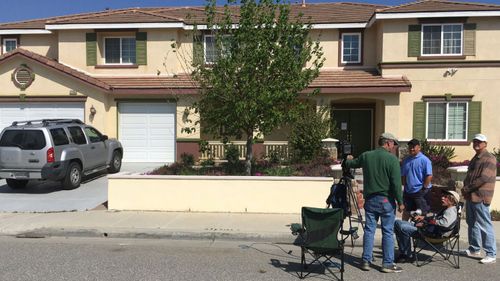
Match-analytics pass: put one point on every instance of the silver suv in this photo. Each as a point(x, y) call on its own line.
point(55, 149)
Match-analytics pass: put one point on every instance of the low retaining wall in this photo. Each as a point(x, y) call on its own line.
point(216, 194)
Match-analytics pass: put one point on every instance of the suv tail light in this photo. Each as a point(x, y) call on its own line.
point(50, 155)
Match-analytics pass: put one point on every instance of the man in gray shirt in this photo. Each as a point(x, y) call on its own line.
point(438, 225)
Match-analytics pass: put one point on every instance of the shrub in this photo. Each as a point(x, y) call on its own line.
point(495, 215)
point(233, 166)
point(497, 155)
point(438, 154)
point(306, 134)
point(187, 159)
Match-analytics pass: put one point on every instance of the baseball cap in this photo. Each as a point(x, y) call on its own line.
point(389, 136)
point(413, 142)
point(480, 137)
point(453, 193)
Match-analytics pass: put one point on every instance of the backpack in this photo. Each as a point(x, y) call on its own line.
point(338, 197)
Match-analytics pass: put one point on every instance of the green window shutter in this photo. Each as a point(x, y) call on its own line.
point(419, 120)
point(474, 119)
point(198, 50)
point(141, 51)
point(91, 45)
point(470, 39)
point(414, 40)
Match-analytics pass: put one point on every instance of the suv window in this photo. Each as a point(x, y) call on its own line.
point(93, 134)
point(59, 136)
point(77, 135)
point(24, 139)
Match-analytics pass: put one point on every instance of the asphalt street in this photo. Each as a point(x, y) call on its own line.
point(108, 259)
point(46, 196)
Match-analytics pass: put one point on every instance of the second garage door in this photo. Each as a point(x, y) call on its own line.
point(147, 131)
point(10, 112)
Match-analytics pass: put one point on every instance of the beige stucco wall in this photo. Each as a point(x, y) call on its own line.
point(216, 194)
point(482, 83)
point(395, 39)
point(44, 44)
point(49, 82)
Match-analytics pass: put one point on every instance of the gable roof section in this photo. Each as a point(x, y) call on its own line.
point(20, 52)
point(439, 6)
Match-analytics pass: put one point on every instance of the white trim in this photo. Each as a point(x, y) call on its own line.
point(114, 26)
point(442, 39)
point(4, 45)
point(342, 47)
point(179, 25)
point(121, 58)
point(437, 15)
point(24, 31)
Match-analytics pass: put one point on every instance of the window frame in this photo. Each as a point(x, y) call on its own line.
point(121, 46)
point(4, 47)
point(442, 40)
point(360, 48)
point(205, 47)
point(427, 103)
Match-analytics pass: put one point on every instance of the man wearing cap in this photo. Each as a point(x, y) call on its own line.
point(381, 191)
point(439, 225)
point(479, 185)
point(416, 173)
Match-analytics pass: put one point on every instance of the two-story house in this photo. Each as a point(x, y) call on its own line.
point(427, 69)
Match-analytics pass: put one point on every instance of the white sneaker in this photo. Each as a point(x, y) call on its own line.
point(471, 254)
point(488, 259)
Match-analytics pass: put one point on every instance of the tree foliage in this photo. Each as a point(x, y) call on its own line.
point(265, 58)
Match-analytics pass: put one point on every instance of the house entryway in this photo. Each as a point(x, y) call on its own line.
point(355, 125)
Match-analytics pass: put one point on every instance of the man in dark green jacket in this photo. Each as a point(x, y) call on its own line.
point(382, 190)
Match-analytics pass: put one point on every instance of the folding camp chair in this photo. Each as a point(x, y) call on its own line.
point(446, 247)
point(318, 238)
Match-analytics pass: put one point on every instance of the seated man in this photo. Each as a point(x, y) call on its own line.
point(433, 225)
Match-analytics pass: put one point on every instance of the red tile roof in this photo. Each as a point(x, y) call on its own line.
point(318, 13)
point(328, 81)
point(439, 6)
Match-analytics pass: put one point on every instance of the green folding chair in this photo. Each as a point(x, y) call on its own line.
point(319, 238)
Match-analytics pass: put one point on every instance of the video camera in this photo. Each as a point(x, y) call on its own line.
point(344, 149)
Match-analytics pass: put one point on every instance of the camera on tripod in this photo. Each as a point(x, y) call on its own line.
point(344, 149)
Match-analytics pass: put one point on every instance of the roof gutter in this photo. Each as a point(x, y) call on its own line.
point(436, 15)
point(24, 31)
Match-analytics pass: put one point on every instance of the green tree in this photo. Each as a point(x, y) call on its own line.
point(264, 58)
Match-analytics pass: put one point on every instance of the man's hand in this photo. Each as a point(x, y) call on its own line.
point(349, 157)
point(401, 208)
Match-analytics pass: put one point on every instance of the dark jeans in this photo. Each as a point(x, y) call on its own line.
point(417, 200)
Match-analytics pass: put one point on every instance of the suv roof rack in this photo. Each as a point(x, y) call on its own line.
point(46, 122)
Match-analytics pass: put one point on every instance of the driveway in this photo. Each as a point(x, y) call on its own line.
point(41, 196)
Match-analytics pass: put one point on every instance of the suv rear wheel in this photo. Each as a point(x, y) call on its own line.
point(13, 183)
point(73, 176)
point(116, 162)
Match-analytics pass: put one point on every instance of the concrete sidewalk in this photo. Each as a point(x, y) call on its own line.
point(174, 225)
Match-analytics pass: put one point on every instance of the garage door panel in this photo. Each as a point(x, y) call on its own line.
point(147, 132)
point(10, 112)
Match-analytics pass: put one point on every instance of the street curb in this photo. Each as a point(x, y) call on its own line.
point(152, 234)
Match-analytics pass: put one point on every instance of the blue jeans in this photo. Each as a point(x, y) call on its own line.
point(480, 228)
point(376, 207)
point(404, 231)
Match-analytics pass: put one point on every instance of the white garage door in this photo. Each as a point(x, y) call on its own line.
point(147, 131)
point(10, 112)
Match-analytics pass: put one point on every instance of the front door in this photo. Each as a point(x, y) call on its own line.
point(356, 127)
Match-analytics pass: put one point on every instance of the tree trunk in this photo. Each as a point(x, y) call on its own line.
point(249, 156)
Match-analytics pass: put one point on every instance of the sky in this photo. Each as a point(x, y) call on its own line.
point(19, 10)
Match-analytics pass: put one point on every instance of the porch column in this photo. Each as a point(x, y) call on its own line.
point(392, 115)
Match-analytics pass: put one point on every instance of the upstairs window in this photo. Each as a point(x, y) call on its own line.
point(447, 120)
point(442, 39)
point(9, 44)
point(119, 50)
point(211, 52)
point(351, 48)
